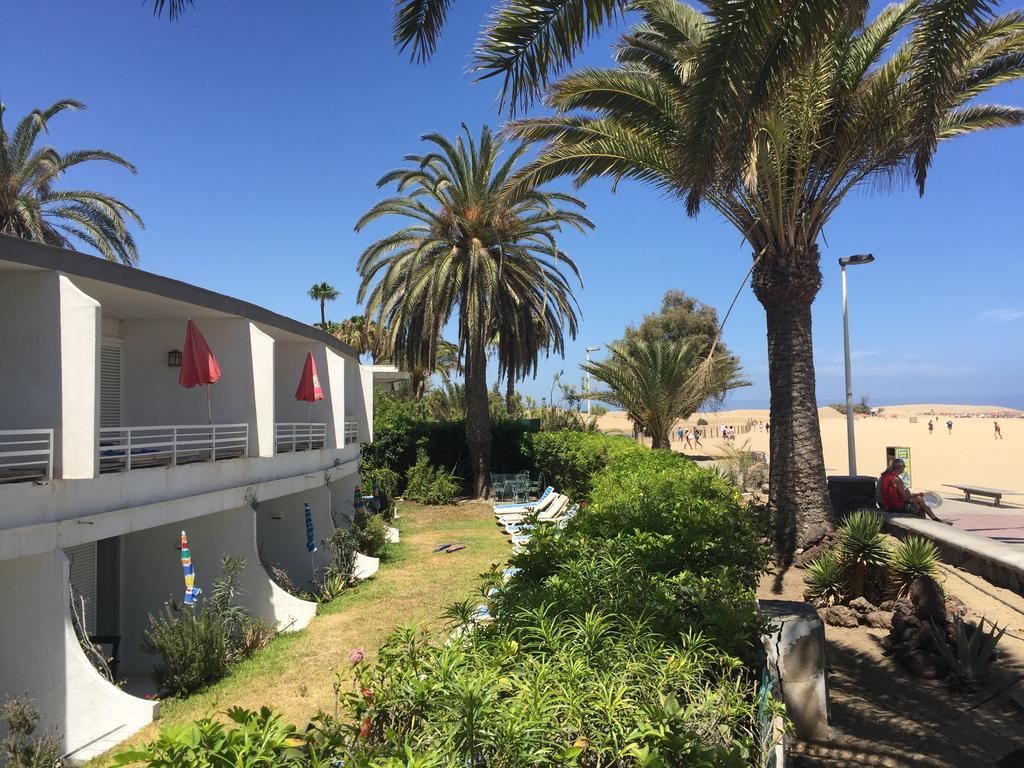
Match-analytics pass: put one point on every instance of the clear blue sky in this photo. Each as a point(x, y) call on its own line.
point(260, 128)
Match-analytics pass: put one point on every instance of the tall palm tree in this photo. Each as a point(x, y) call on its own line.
point(657, 382)
point(473, 250)
point(726, 110)
point(360, 333)
point(33, 207)
point(323, 292)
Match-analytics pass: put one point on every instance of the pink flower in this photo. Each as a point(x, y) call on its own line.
point(364, 729)
point(367, 693)
point(356, 655)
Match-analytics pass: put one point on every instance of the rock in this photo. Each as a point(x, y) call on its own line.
point(862, 606)
point(840, 616)
point(879, 619)
point(887, 605)
point(955, 607)
point(818, 531)
point(901, 622)
point(926, 665)
point(928, 600)
point(904, 607)
point(1012, 759)
point(806, 555)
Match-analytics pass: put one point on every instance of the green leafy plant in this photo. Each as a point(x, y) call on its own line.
point(21, 746)
point(912, 558)
point(256, 739)
point(342, 545)
point(743, 467)
point(974, 646)
point(330, 586)
point(862, 548)
point(373, 536)
point(826, 579)
point(429, 484)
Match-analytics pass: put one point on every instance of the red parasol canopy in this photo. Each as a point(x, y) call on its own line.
point(198, 365)
point(309, 385)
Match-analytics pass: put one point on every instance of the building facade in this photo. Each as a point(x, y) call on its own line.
point(105, 459)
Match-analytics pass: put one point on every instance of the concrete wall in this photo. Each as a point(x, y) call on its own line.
point(336, 377)
point(289, 359)
point(152, 395)
point(261, 440)
point(80, 333)
point(281, 533)
point(40, 656)
point(152, 574)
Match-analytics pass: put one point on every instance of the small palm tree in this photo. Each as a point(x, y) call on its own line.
point(34, 208)
point(360, 333)
point(473, 251)
point(660, 382)
point(323, 292)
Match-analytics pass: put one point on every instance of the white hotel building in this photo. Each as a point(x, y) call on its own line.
point(104, 459)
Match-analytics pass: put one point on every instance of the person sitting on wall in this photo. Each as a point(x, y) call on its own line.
point(896, 497)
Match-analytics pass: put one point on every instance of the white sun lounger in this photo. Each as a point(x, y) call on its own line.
point(516, 528)
point(518, 507)
point(554, 510)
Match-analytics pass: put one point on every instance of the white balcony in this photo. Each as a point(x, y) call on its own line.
point(26, 454)
point(126, 448)
point(351, 432)
point(292, 436)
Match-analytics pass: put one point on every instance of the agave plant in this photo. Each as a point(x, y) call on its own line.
point(826, 579)
point(862, 547)
point(974, 648)
point(914, 557)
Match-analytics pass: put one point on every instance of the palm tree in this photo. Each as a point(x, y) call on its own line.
point(727, 110)
point(360, 333)
point(33, 208)
point(660, 382)
point(471, 250)
point(323, 292)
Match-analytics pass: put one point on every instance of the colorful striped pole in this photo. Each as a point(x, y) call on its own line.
point(191, 590)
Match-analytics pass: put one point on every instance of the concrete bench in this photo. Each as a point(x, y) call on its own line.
point(979, 490)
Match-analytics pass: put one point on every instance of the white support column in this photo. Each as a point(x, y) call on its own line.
point(334, 383)
point(261, 428)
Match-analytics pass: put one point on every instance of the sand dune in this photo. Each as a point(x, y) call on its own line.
point(970, 454)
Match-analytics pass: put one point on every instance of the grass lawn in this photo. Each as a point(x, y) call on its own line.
point(295, 674)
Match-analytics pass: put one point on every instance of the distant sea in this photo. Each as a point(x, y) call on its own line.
point(1006, 401)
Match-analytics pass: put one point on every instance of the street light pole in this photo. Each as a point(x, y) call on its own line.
point(861, 258)
point(587, 379)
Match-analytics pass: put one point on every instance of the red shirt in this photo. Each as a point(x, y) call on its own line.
point(891, 498)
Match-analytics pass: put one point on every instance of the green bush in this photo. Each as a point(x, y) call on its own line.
point(913, 557)
point(21, 746)
point(429, 484)
point(373, 537)
point(198, 644)
point(568, 460)
point(343, 546)
point(826, 579)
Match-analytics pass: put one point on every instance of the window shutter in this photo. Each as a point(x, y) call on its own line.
point(110, 385)
point(83, 579)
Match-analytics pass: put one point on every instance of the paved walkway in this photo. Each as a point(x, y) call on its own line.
point(1004, 523)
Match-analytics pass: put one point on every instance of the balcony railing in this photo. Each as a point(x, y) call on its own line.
point(126, 448)
point(298, 436)
point(351, 432)
point(26, 454)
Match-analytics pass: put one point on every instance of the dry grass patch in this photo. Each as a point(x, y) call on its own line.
point(295, 674)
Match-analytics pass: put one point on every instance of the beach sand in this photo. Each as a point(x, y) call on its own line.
point(969, 455)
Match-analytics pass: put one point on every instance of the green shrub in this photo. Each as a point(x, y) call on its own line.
point(373, 537)
point(343, 546)
point(862, 548)
point(568, 460)
point(826, 579)
point(429, 484)
point(21, 747)
point(973, 646)
point(255, 739)
point(198, 644)
point(913, 557)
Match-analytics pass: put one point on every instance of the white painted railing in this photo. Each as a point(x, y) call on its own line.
point(26, 454)
point(351, 432)
point(125, 448)
point(299, 436)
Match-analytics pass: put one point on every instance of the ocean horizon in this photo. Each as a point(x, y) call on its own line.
point(1005, 401)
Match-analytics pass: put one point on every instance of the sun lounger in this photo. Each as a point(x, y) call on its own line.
point(554, 510)
point(521, 510)
point(514, 528)
point(513, 506)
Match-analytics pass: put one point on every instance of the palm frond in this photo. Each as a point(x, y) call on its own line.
point(418, 25)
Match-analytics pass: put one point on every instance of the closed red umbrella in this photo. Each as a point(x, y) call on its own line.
point(198, 365)
point(309, 385)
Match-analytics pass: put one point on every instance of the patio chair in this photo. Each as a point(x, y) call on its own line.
point(553, 511)
point(560, 521)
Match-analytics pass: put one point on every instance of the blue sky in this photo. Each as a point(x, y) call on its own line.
point(259, 135)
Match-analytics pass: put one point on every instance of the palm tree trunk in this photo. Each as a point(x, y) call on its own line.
point(323, 314)
point(798, 497)
point(660, 441)
point(478, 420)
point(510, 393)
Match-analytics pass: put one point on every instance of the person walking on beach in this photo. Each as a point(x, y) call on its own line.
point(896, 497)
point(686, 437)
point(931, 426)
point(949, 425)
point(999, 432)
point(679, 434)
point(696, 438)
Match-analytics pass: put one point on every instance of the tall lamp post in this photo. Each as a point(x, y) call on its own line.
point(589, 350)
point(844, 262)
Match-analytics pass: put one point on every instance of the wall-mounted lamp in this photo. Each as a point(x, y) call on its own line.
point(174, 358)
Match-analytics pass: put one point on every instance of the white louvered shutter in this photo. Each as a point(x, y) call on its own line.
point(110, 385)
point(83, 579)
